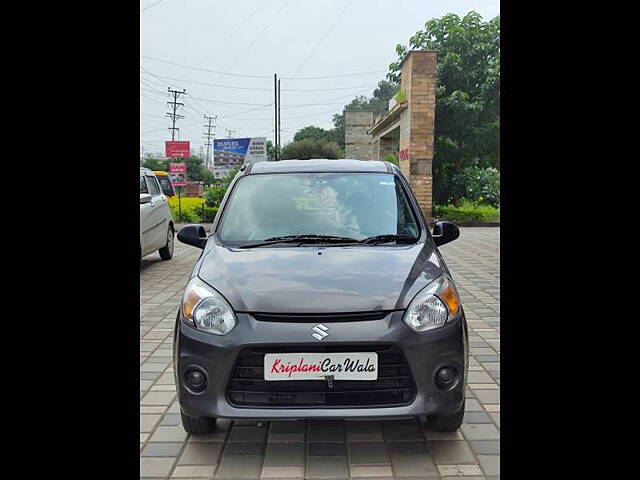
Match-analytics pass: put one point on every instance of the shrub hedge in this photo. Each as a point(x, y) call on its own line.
point(192, 211)
point(467, 212)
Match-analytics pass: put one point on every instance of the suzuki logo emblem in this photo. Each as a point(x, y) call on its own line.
point(321, 332)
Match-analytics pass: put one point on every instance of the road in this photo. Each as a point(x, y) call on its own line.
point(324, 449)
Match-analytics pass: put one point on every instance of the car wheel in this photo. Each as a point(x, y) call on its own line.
point(198, 426)
point(446, 423)
point(166, 252)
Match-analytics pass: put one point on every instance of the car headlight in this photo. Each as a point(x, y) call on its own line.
point(206, 310)
point(433, 306)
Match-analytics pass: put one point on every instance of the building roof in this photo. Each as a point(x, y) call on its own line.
point(318, 165)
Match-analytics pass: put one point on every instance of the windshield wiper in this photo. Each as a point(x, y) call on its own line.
point(388, 238)
point(302, 239)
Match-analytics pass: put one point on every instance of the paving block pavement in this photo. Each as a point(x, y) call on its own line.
point(387, 449)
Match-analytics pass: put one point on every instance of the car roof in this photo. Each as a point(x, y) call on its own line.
point(318, 165)
point(145, 171)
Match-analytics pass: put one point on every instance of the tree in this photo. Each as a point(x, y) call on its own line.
point(309, 148)
point(156, 164)
point(467, 127)
point(315, 133)
point(271, 150)
point(195, 168)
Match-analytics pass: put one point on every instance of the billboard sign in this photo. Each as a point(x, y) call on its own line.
point(178, 174)
point(176, 149)
point(235, 152)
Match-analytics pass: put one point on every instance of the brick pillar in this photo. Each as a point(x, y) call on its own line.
point(417, 125)
point(357, 142)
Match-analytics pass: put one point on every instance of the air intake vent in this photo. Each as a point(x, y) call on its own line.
point(328, 318)
point(394, 386)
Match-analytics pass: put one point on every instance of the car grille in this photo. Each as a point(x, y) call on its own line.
point(394, 386)
point(326, 318)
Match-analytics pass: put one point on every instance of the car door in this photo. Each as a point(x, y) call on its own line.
point(145, 220)
point(157, 227)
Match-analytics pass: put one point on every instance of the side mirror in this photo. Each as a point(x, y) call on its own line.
point(444, 232)
point(145, 198)
point(193, 235)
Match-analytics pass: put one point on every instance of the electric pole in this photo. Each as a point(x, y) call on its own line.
point(230, 133)
point(279, 104)
point(275, 107)
point(174, 116)
point(209, 135)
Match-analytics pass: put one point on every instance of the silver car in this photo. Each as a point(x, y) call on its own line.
point(156, 221)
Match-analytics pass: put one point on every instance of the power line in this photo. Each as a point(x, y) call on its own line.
point(335, 22)
point(238, 57)
point(264, 89)
point(246, 75)
point(227, 39)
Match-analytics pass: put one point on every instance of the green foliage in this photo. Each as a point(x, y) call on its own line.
point(184, 216)
point(214, 195)
point(401, 96)
point(208, 178)
point(271, 150)
point(209, 214)
point(227, 179)
point(467, 129)
point(156, 164)
point(379, 104)
point(195, 168)
point(480, 185)
point(467, 211)
point(309, 148)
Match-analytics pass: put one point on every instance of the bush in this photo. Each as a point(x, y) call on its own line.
point(309, 148)
point(185, 216)
point(467, 212)
point(214, 195)
point(209, 214)
point(480, 185)
point(188, 203)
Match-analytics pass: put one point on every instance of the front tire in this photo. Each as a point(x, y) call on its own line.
point(446, 423)
point(198, 426)
point(166, 252)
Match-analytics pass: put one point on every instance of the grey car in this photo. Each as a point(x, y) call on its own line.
point(320, 293)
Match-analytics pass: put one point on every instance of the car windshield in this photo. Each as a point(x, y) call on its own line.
point(353, 205)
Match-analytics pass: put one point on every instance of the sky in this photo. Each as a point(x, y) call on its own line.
point(224, 54)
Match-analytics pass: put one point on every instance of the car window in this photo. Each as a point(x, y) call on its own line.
point(143, 185)
point(354, 205)
point(152, 185)
point(166, 186)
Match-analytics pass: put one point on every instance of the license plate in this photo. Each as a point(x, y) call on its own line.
point(317, 366)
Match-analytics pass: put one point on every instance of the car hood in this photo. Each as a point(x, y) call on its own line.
point(320, 279)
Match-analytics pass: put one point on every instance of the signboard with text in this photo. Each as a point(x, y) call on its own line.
point(176, 149)
point(235, 152)
point(178, 174)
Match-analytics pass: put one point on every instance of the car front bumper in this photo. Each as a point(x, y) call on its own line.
point(425, 353)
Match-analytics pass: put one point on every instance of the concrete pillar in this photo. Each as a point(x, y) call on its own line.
point(418, 80)
point(357, 142)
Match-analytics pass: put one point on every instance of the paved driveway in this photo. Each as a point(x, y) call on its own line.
point(324, 449)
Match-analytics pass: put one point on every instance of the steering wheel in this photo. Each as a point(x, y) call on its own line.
point(274, 223)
